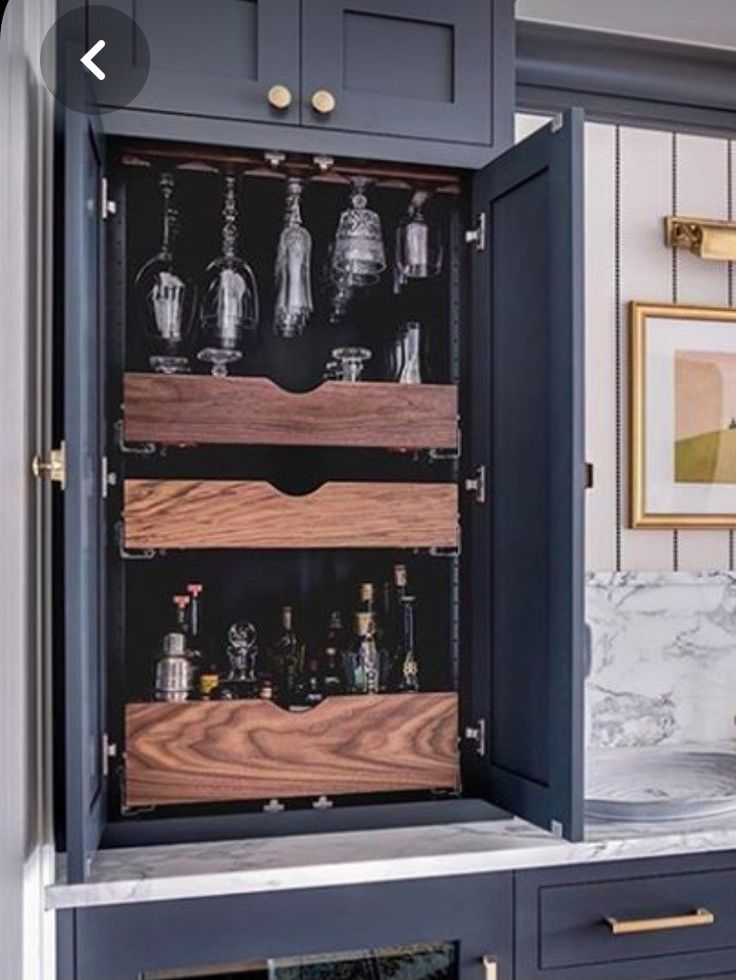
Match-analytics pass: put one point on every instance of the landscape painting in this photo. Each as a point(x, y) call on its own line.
point(683, 416)
point(705, 417)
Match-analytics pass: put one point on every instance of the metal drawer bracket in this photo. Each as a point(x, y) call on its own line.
point(140, 449)
point(145, 554)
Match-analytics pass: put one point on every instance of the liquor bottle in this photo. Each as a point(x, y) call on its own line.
point(333, 679)
point(196, 634)
point(181, 614)
point(409, 667)
point(365, 658)
point(309, 690)
point(287, 657)
point(336, 634)
point(207, 682)
point(393, 620)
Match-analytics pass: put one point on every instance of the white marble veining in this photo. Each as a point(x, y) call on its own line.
point(663, 658)
point(146, 874)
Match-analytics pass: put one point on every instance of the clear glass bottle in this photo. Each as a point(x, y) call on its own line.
point(409, 665)
point(364, 658)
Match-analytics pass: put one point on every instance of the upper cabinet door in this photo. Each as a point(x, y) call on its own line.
point(218, 57)
point(413, 68)
point(527, 539)
point(83, 536)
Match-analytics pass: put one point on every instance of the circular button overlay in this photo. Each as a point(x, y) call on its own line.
point(95, 59)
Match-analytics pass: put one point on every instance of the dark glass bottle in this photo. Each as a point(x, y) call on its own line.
point(287, 658)
point(333, 676)
point(312, 687)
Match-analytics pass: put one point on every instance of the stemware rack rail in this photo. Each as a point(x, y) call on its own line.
point(256, 165)
point(187, 409)
point(198, 752)
point(177, 514)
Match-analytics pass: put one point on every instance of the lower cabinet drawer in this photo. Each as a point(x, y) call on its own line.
point(645, 920)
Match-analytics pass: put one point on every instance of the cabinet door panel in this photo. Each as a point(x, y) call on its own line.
point(527, 567)
point(83, 538)
point(218, 57)
point(416, 68)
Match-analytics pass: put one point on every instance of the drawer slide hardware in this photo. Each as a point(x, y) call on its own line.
point(477, 236)
point(477, 485)
point(490, 965)
point(477, 733)
point(141, 449)
point(53, 468)
point(622, 927)
point(145, 554)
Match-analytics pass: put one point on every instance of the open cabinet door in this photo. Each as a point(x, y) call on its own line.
point(526, 539)
point(83, 536)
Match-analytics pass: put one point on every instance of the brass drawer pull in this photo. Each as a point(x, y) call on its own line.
point(279, 96)
point(700, 917)
point(323, 102)
point(490, 965)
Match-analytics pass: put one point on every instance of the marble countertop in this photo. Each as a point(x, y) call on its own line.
point(146, 874)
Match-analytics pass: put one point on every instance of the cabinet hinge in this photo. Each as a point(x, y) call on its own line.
point(109, 751)
point(477, 733)
point(108, 207)
point(477, 235)
point(477, 485)
point(589, 475)
point(53, 468)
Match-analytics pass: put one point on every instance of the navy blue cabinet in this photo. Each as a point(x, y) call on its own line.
point(408, 69)
point(218, 58)
point(661, 919)
point(519, 683)
point(463, 925)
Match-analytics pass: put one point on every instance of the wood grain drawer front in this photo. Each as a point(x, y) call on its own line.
point(253, 514)
point(252, 750)
point(661, 912)
point(254, 411)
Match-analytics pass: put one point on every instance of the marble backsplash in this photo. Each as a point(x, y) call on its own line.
point(663, 658)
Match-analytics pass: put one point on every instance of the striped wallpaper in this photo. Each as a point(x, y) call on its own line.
point(633, 178)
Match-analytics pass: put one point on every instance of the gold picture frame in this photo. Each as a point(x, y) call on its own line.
point(643, 514)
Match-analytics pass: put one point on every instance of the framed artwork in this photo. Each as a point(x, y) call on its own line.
point(683, 416)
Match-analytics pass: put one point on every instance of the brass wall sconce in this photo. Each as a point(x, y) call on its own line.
point(704, 237)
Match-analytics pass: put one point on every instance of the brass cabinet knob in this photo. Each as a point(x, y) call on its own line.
point(279, 96)
point(323, 101)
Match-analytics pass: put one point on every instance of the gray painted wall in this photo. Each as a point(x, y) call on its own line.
point(26, 933)
point(700, 22)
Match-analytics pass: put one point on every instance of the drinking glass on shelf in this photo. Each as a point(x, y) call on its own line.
point(165, 298)
point(406, 355)
point(351, 361)
point(230, 303)
point(418, 253)
point(293, 269)
point(359, 251)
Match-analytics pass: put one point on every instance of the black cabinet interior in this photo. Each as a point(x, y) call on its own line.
point(254, 584)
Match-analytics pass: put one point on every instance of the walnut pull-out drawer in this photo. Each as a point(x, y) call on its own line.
point(172, 409)
point(252, 750)
point(614, 923)
point(254, 514)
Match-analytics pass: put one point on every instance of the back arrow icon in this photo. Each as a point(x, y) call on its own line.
point(88, 60)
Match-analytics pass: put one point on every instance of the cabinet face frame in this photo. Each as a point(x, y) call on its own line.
point(474, 706)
